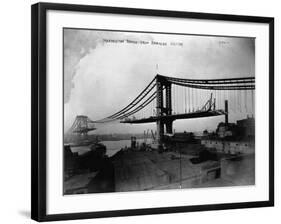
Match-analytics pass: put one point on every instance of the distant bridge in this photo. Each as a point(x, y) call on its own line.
point(82, 125)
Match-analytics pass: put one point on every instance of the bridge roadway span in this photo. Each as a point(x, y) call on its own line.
point(172, 117)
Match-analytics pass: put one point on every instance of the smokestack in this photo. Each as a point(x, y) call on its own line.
point(226, 111)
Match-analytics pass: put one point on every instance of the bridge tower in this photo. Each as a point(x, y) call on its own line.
point(161, 109)
point(168, 109)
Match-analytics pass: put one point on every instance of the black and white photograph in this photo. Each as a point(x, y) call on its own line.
point(147, 111)
point(142, 111)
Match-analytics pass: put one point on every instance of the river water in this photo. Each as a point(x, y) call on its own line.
point(111, 146)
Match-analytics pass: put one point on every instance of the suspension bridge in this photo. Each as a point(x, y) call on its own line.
point(82, 125)
point(166, 99)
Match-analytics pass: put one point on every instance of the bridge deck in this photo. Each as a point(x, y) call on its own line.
point(198, 114)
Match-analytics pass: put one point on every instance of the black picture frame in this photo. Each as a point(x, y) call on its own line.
point(39, 107)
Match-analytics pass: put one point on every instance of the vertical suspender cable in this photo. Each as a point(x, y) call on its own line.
point(241, 101)
point(185, 100)
point(176, 103)
point(234, 100)
point(192, 109)
point(188, 89)
point(180, 99)
point(218, 98)
point(238, 97)
point(215, 97)
point(253, 103)
point(245, 100)
point(173, 98)
point(196, 98)
point(224, 95)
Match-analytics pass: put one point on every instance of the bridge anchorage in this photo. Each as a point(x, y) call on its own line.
point(161, 96)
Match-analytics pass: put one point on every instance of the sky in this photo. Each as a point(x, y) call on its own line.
point(105, 70)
